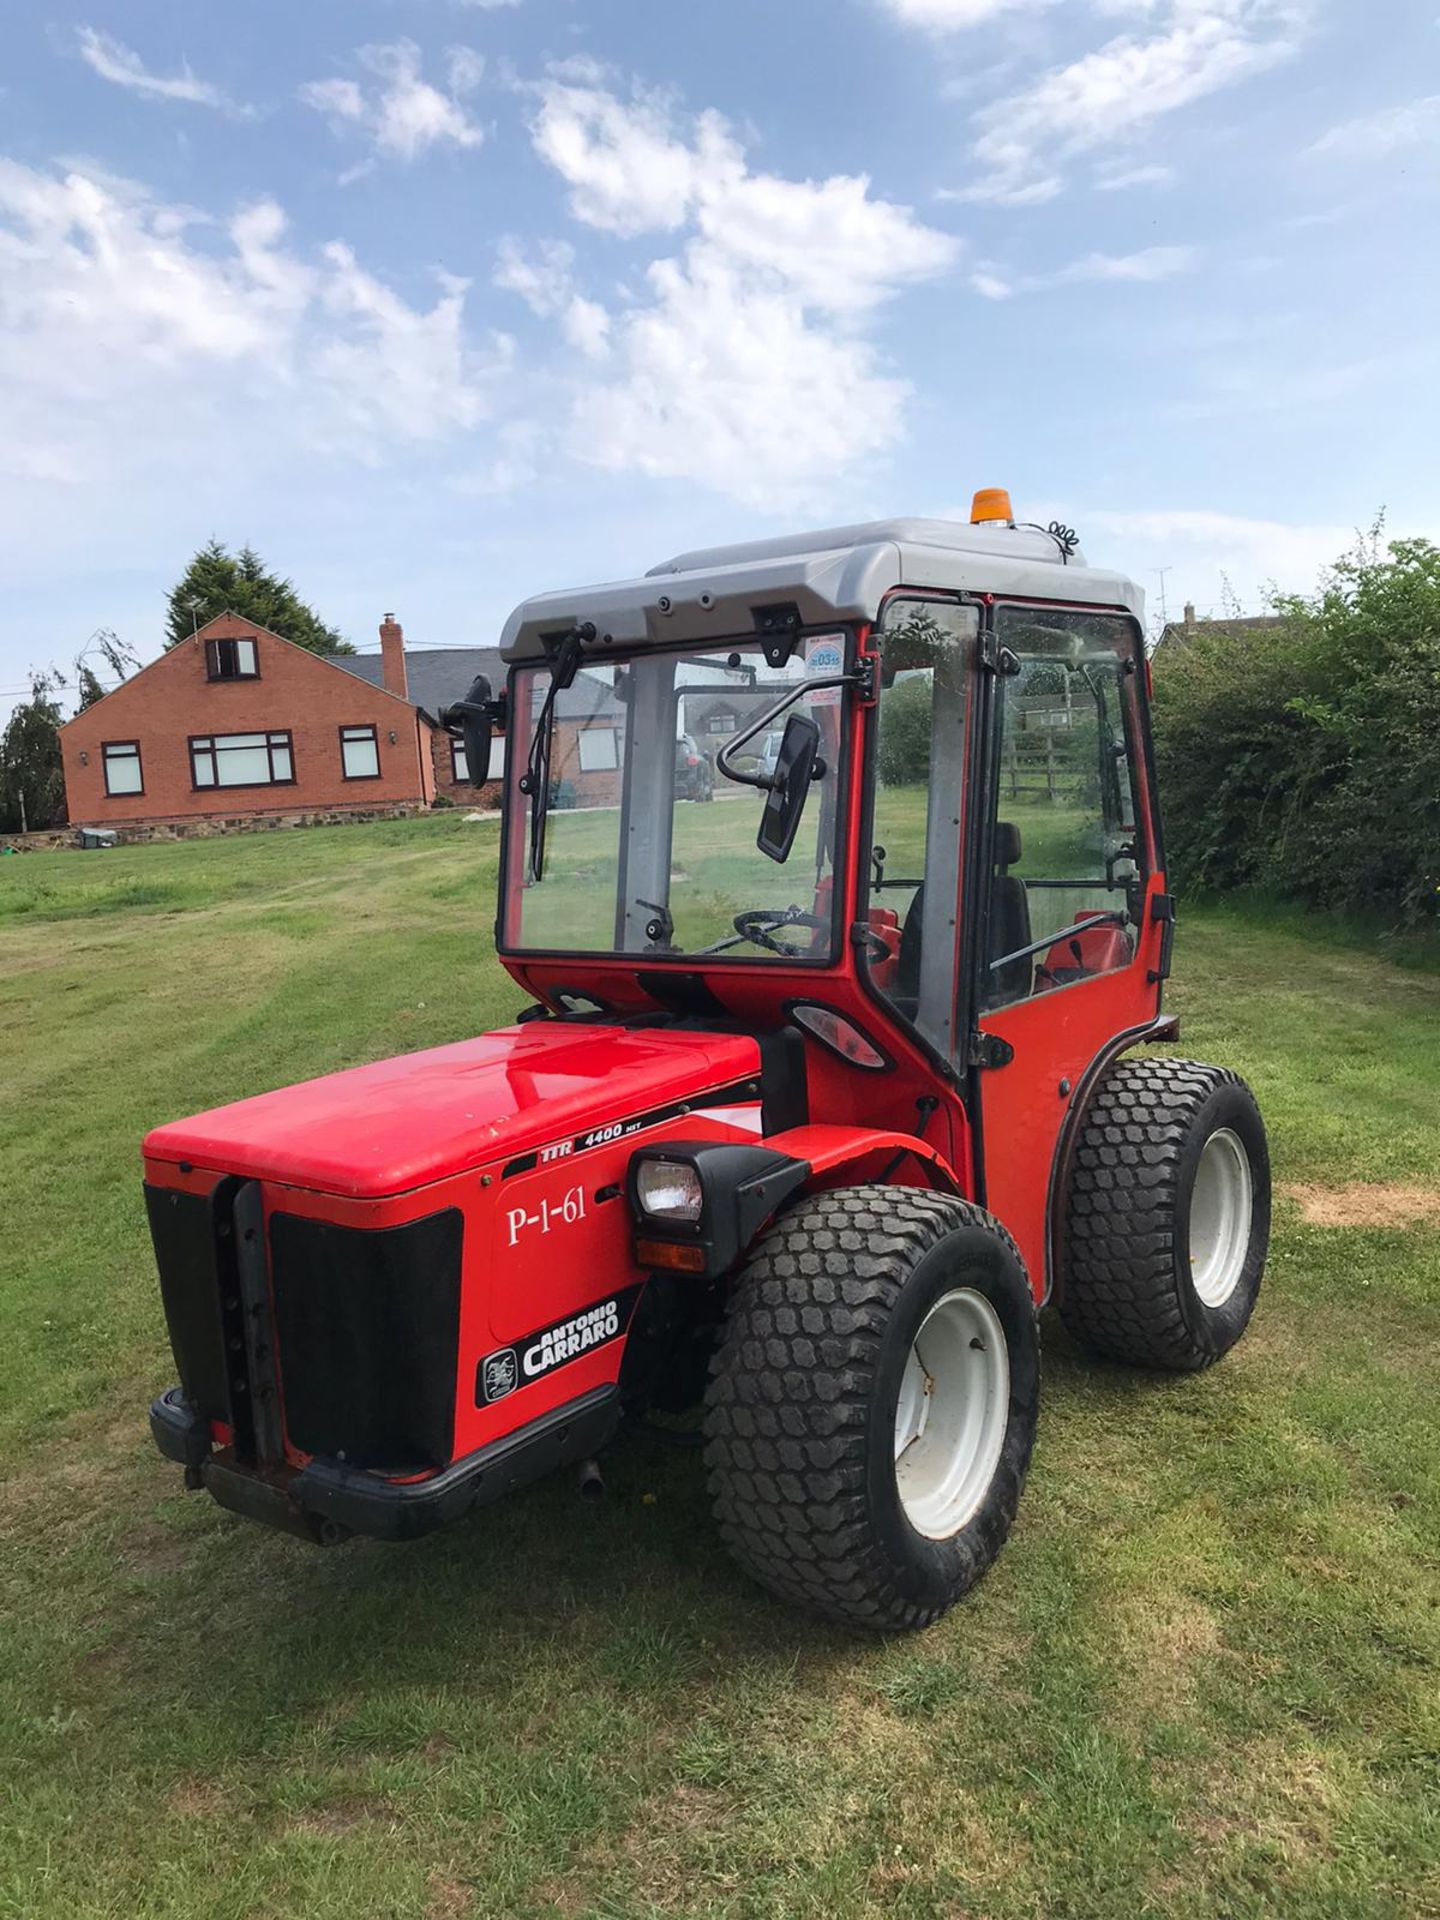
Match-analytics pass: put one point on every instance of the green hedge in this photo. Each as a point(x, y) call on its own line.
point(1305, 759)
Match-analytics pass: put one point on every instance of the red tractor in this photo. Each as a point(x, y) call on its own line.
point(820, 1098)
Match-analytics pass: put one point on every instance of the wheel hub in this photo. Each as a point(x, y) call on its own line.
point(1221, 1205)
point(952, 1413)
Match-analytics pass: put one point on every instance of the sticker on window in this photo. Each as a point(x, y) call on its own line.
point(824, 657)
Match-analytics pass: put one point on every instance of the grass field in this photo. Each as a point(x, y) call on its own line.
point(1203, 1679)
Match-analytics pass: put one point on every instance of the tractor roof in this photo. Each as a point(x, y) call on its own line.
point(839, 573)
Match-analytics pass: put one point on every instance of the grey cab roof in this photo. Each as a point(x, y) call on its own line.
point(836, 573)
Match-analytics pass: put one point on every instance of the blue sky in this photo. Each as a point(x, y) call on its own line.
point(442, 302)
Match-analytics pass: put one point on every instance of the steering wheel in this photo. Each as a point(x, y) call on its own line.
point(759, 925)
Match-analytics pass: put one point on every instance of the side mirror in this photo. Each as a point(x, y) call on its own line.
point(789, 787)
point(471, 718)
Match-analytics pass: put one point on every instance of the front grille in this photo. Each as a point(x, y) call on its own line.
point(187, 1229)
point(368, 1330)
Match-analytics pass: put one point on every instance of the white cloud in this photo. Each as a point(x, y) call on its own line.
point(586, 326)
point(341, 99)
point(123, 67)
point(840, 249)
point(625, 172)
point(1211, 558)
point(541, 275)
point(1111, 94)
point(121, 315)
point(406, 370)
point(740, 363)
point(726, 382)
point(1376, 136)
point(951, 16)
point(403, 112)
point(1151, 263)
point(464, 68)
point(1113, 179)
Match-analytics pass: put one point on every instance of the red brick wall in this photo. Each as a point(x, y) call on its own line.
point(172, 700)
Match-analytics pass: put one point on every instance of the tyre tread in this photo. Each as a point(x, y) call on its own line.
point(786, 1410)
point(1121, 1296)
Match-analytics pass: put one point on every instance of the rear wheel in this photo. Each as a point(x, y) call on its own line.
point(1168, 1221)
point(872, 1404)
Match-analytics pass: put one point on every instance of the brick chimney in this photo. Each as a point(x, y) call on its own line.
point(1189, 616)
point(392, 657)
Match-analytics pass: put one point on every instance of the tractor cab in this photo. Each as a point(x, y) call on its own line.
point(930, 811)
point(831, 869)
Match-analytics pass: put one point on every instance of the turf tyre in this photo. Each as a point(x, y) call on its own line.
point(1129, 1287)
point(800, 1414)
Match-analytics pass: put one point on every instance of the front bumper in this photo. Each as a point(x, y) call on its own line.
point(326, 1500)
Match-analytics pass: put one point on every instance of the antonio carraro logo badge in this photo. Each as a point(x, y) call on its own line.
point(499, 1373)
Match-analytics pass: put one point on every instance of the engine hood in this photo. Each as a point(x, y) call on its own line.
point(370, 1132)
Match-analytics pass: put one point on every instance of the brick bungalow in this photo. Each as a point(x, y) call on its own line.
point(237, 725)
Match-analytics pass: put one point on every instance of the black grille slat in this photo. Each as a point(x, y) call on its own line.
point(367, 1324)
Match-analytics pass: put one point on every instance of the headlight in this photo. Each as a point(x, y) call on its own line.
point(668, 1190)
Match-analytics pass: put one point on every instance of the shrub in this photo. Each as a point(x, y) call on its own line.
point(1306, 758)
point(904, 750)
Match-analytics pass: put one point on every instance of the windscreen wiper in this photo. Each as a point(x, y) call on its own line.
point(535, 781)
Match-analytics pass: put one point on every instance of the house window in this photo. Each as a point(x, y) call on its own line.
point(242, 760)
point(597, 750)
point(122, 766)
point(459, 765)
point(232, 660)
point(360, 753)
point(721, 721)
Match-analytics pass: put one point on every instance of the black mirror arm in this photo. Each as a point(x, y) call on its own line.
point(801, 687)
point(491, 712)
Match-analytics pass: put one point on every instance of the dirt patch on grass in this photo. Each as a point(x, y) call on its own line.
point(196, 1798)
point(151, 1551)
point(1290, 1800)
point(1162, 1642)
point(344, 1816)
point(446, 1896)
point(1364, 1203)
point(668, 1842)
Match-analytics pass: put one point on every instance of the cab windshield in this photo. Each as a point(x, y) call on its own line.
point(649, 848)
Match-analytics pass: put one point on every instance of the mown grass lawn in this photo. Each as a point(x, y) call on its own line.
point(1203, 1679)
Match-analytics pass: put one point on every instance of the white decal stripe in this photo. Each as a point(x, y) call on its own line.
point(746, 1118)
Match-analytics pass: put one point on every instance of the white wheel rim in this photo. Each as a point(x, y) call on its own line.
point(1221, 1205)
point(952, 1413)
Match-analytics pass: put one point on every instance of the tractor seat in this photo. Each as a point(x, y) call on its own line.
point(1009, 929)
point(1009, 921)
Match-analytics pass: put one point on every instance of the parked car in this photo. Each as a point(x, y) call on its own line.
point(694, 775)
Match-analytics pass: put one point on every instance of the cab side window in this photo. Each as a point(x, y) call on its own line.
point(1068, 849)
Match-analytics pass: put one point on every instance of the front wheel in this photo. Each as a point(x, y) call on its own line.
point(872, 1405)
